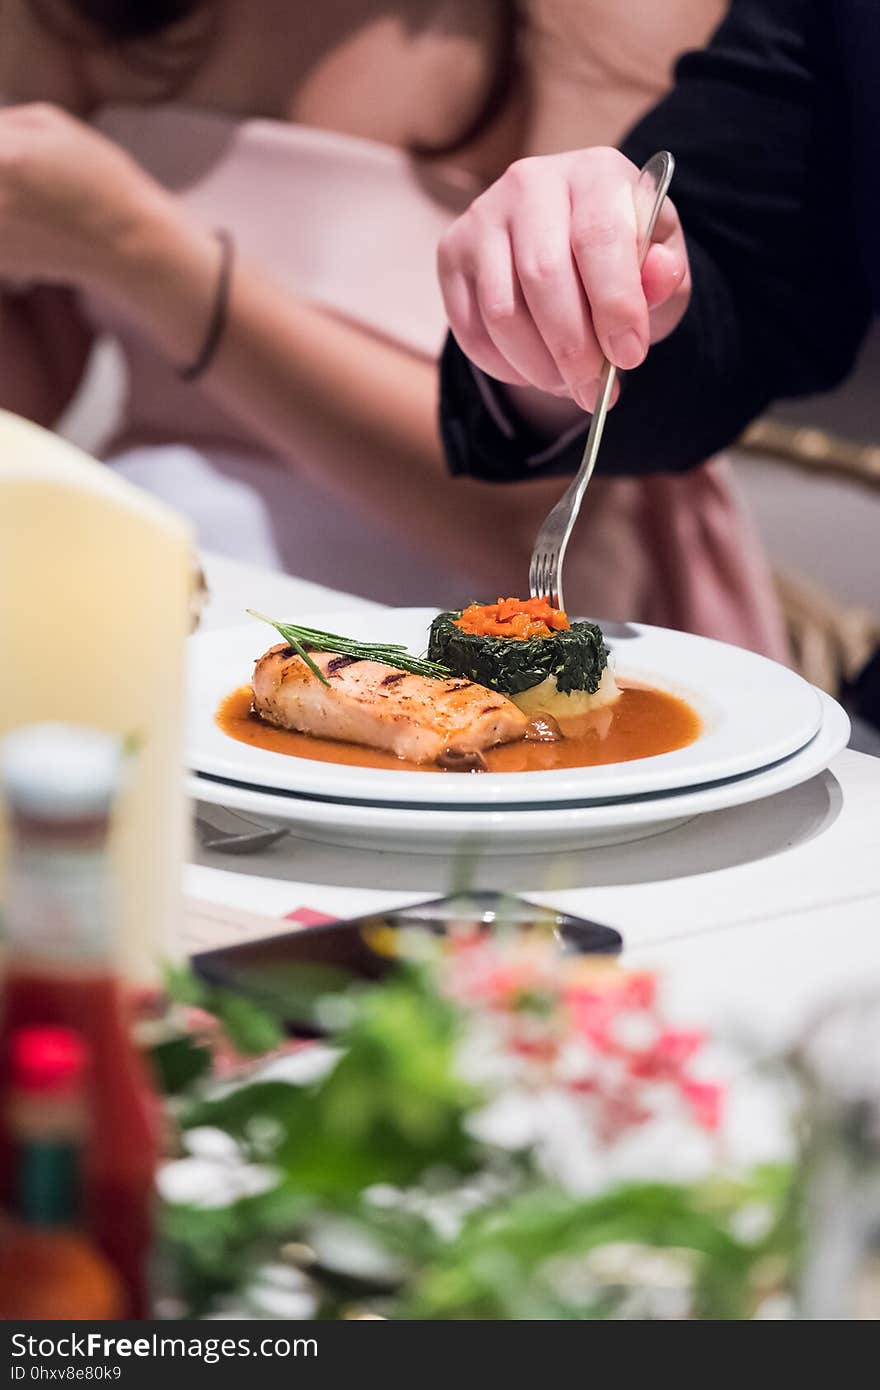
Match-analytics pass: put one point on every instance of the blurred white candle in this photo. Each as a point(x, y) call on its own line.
point(95, 600)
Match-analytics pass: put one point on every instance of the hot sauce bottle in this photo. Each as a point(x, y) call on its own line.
point(49, 1266)
point(60, 783)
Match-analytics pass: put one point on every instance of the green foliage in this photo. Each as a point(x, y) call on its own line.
point(391, 1106)
point(390, 1111)
point(178, 1063)
point(511, 1261)
point(576, 656)
point(184, 987)
point(214, 1250)
point(252, 1028)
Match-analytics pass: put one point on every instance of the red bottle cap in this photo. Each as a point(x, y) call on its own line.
point(46, 1059)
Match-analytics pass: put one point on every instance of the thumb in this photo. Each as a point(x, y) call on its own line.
point(663, 274)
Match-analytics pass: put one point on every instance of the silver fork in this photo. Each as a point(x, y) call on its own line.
point(545, 570)
point(252, 841)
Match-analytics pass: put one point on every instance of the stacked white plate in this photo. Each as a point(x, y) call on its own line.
point(764, 730)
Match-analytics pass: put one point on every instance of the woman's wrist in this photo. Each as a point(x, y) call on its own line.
point(162, 275)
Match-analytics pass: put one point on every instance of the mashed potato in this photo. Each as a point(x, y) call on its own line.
point(547, 699)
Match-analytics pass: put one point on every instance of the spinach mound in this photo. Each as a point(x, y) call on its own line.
point(576, 657)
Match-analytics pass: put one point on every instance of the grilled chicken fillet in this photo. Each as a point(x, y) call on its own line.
point(414, 717)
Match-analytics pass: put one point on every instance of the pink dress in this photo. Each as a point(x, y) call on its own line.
point(351, 226)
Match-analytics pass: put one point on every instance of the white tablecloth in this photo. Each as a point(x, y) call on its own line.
point(755, 916)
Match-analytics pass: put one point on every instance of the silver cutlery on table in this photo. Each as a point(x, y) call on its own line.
point(545, 571)
point(252, 841)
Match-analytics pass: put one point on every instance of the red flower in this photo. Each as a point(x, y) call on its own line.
point(538, 1049)
point(593, 1016)
point(618, 1113)
point(666, 1055)
point(638, 992)
point(481, 974)
point(705, 1099)
point(583, 1085)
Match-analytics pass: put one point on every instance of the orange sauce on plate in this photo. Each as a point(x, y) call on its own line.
point(642, 723)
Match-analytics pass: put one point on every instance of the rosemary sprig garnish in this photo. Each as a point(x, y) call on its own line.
point(304, 639)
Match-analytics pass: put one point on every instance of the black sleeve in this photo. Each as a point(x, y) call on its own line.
point(758, 126)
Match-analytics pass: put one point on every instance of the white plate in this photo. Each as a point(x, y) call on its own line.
point(754, 712)
point(553, 828)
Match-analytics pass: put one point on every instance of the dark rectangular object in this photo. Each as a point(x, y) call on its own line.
point(270, 969)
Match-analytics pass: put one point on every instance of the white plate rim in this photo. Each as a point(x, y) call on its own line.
point(497, 825)
point(727, 748)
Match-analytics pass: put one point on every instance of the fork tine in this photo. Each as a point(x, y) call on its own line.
point(549, 576)
point(548, 573)
point(545, 580)
point(544, 576)
point(552, 582)
point(536, 575)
